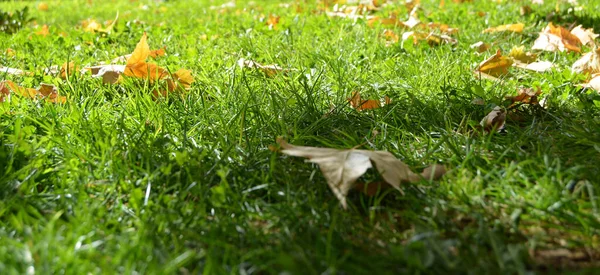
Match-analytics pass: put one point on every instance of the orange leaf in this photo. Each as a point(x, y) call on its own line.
point(554, 38)
point(525, 96)
point(359, 105)
point(44, 31)
point(586, 36)
point(136, 64)
point(158, 53)
point(272, 21)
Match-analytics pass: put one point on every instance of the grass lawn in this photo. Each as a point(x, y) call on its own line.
point(116, 180)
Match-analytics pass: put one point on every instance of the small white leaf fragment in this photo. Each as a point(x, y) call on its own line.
point(342, 168)
point(109, 73)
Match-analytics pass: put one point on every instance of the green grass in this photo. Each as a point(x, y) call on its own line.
point(114, 181)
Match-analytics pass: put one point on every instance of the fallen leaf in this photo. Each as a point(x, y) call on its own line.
point(45, 91)
point(588, 63)
point(519, 54)
point(586, 36)
point(480, 46)
point(431, 38)
point(525, 96)
point(357, 103)
point(496, 65)
point(272, 21)
point(269, 70)
point(182, 79)
point(136, 64)
point(494, 120)
point(42, 6)
point(341, 168)
point(110, 74)
point(45, 31)
point(516, 28)
point(13, 71)
point(554, 38)
point(594, 83)
point(67, 69)
point(539, 66)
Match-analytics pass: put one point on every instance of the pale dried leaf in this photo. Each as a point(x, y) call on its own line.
point(341, 168)
point(516, 28)
point(539, 66)
point(109, 73)
point(480, 46)
point(494, 120)
point(588, 63)
point(586, 36)
point(496, 65)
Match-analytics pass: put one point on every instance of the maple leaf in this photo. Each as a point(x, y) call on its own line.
point(359, 105)
point(341, 168)
point(516, 28)
point(136, 64)
point(554, 38)
point(525, 96)
point(588, 63)
point(496, 65)
point(586, 36)
point(494, 120)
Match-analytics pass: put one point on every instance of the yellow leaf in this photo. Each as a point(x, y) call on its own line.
point(496, 65)
point(518, 53)
point(42, 6)
point(517, 28)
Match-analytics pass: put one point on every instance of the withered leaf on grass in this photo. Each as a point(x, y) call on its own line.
point(136, 64)
point(45, 91)
point(496, 65)
point(13, 71)
point(432, 39)
point(357, 103)
point(518, 53)
point(525, 96)
point(588, 63)
point(516, 28)
point(586, 36)
point(594, 83)
point(480, 46)
point(553, 38)
point(494, 120)
point(269, 70)
point(341, 168)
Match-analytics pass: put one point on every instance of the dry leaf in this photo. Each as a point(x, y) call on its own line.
point(269, 70)
point(45, 31)
point(67, 69)
point(586, 36)
point(588, 63)
point(516, 28)
point(519, 54)
point(341, 168)
point(431, 38)
point(525, 96)
point(357, 103)
point(110, 74)
point(494, 120)
point(594, 83)
point(46, 91)
point(480, 46)
point(13, 71)
point(91, 25)
point(496, 65)
point(539, 66)
point(136, 64)
point(182, 79)
point(554, 38)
